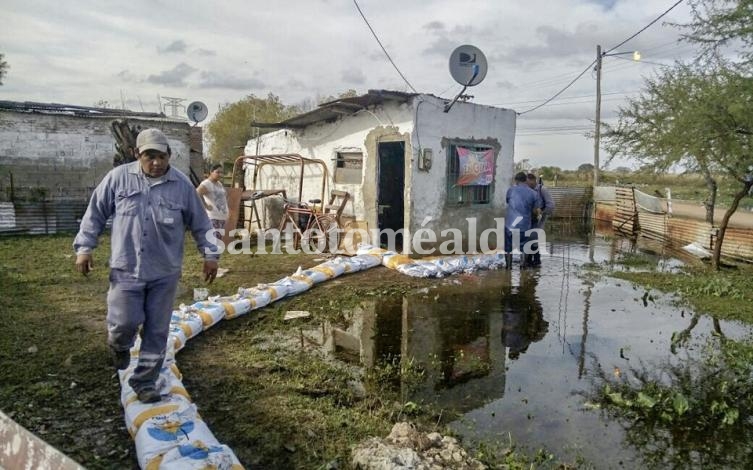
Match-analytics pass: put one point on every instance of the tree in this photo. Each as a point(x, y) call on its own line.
point(699, 114)
point(3, 68)
point(585, 168)
point(231, 127)
point(696, 117)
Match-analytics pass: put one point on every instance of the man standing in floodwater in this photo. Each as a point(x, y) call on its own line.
point(151, 204)
point(521, 204)
point(547, 208)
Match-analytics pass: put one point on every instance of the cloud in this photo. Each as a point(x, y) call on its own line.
point(218, 80)
point(442, 46)
point(506, 85)
point(435, 26)
point(205, 52)
point(354, 76)
point(127, 76)
point(174, 47)
point(175, 76)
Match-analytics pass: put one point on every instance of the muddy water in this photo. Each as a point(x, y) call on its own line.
point(510, 351)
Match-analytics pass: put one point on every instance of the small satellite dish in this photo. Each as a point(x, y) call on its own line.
point(468, 65)
point(197, 111)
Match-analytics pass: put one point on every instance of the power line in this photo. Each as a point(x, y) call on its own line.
point(603, 54)
point(559, 92)
point(383, 49)
point(644, 28)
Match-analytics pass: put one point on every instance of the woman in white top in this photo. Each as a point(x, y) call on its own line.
point(212, 194)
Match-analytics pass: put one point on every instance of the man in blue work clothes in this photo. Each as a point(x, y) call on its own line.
point(151, 205)
point(547, 209)
point(521, 203)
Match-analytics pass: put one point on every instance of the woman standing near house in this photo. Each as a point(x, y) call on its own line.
point(212, 194)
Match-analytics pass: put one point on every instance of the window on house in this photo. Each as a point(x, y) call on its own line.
point(348, 167)
point(465, 193)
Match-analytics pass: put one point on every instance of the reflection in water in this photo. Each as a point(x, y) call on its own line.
point(523, 321)
point(480, 346)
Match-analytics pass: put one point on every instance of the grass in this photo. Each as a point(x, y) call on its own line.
point(274, 404)
point(725, 295)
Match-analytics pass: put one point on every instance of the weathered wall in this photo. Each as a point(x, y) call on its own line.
point(435, 129)
point(324, 140)
point(68, 155)
point(421, 124)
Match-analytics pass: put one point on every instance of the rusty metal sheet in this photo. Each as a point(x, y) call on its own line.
point(20, 448)
point(685, 231)
point(604, 211)
point(570, 203)
point(626, 215)
point(653, 226)
point(738, 244)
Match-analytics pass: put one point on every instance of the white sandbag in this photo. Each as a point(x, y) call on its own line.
point(297, 283)
point(176, 338)
point(431, 268)
point(348, 264)
point(276, 290)
point(367, 261)
point(138, 413)
point(489, 261)
point(209, 312)
point(162, 433)
point(414, 270)
point(188, 320)
point(259, 297)
point(200, 456)
point(234, 305)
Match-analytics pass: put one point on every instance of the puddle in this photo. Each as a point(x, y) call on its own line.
point(512, 352)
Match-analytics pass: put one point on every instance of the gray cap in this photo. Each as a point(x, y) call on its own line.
point(151, 139)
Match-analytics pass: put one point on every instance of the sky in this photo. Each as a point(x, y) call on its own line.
point(127, 54)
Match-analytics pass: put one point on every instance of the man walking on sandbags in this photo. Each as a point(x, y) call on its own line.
point(151, 204)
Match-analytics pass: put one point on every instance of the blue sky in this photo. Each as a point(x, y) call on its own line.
point(128, 54)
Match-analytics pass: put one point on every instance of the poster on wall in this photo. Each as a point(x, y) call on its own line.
point(476, 167)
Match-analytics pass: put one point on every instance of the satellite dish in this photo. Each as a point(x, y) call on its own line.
point(197, 111)
point(468, 65)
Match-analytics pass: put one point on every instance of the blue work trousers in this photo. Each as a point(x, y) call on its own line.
point(132, 303)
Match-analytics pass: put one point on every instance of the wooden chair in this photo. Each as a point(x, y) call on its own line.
point(336, 205)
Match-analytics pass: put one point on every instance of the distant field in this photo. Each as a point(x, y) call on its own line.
point(684, 187)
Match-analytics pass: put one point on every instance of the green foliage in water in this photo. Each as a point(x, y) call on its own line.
point(696, 413)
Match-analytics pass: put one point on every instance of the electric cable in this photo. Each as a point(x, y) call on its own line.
point(383, 49)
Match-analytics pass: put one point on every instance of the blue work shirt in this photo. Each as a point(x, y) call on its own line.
point(149, 221)
point(521, 200)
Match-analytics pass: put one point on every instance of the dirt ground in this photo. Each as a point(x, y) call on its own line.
point(741, 218)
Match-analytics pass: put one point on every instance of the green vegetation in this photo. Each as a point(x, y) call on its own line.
point(693, 414)
point(725, 295)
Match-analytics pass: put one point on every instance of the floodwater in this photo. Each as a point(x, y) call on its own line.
point(514, 351)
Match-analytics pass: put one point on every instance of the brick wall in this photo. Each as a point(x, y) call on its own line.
point(68, 155)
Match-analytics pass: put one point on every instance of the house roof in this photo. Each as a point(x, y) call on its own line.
point(74, 110)
point(341, 107)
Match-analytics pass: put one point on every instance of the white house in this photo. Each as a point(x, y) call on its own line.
point(405, 161)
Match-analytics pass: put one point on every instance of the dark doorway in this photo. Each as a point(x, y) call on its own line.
point(390, 200)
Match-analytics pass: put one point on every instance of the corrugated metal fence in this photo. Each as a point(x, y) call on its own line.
point(571, 203)
point(635, 213)
point(41, 217)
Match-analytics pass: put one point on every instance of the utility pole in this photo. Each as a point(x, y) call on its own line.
point(597, 119)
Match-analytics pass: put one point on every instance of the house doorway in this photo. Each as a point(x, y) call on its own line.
point(390, 201)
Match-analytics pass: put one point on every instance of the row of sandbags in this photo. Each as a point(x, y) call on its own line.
point(170, 434)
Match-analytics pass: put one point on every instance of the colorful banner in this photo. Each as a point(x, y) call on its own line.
point(476, 168)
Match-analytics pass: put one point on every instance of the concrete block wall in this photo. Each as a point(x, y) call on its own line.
point(69, 155)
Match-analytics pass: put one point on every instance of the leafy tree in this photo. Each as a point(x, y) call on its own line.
point(699, 115)
point(585, 168)
point(3, 68)
point(231, 127)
